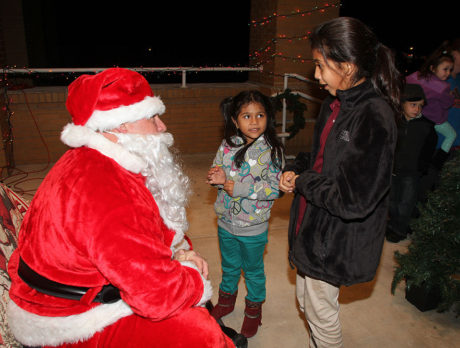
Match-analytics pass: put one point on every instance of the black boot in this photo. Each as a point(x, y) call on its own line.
point(394, 237)
point(238, 339)
point(439, 158)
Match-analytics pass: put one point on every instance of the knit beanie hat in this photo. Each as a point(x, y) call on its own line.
point(413, 92)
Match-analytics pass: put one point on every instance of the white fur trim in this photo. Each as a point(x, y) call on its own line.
point(77, 136)
point(178, 244)
point(110, 119)
point(207, 287)
point(35, 330)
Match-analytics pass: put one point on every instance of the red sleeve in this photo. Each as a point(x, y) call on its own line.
point(130, 252)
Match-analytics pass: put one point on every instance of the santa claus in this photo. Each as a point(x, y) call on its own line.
point(102, 260)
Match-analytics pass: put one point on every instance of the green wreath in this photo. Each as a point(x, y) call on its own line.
point(294, 105)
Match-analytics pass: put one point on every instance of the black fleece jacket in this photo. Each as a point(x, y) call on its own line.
point(341, 236)
point(415, 147)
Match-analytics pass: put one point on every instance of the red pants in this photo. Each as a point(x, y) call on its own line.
point(194, 328)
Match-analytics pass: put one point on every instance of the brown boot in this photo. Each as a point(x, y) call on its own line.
point(225, 304)
point(252, 318)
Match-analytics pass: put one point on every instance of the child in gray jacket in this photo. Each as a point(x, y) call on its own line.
point(246, 170)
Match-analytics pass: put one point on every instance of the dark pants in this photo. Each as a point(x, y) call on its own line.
point(403, 198)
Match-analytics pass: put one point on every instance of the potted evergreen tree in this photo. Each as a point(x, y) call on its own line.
point(431, 265)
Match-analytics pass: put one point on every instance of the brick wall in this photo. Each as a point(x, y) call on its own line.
point(192, 116)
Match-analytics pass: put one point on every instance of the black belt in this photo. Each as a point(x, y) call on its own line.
point(108, 294)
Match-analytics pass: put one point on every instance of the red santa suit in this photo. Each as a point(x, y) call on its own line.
point(93, 222)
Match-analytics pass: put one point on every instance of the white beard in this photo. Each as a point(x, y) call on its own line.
point(165, 178)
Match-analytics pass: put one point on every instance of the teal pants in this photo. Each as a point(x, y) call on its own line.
point(243, 253)
point(449, 135)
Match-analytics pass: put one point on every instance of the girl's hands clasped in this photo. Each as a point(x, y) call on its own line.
point(287, 181)
point(216, 176)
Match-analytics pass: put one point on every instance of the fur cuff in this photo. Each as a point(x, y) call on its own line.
point(35, 330)
point(178, 244)
point(207, 287)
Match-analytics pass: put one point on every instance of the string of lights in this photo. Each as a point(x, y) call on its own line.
point(270, 46)
point(66, 75)
point(9, 173)
point(297, 12)
point(7, 129)
point(271, 50)
point(297, 59)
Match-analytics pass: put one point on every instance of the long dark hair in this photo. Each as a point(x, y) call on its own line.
point(346, 39)
point(230, 107)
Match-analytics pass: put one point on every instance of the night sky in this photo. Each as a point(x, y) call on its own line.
point(203, 33)
point(407, 23)
point(154, 33)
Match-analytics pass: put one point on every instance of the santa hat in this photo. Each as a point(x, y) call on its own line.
point(108, 99)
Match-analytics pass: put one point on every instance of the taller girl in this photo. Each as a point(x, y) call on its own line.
point(339, 211)
point(246, 169)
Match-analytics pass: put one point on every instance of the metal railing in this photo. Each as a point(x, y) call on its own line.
point(183, 70)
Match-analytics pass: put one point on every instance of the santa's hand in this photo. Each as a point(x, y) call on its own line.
point(192, 256)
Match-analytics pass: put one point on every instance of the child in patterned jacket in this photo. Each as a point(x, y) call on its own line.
point(246, 170)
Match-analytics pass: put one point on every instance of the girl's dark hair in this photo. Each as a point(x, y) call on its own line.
point(346, 39)
point(230, 108)
point(440, 55)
